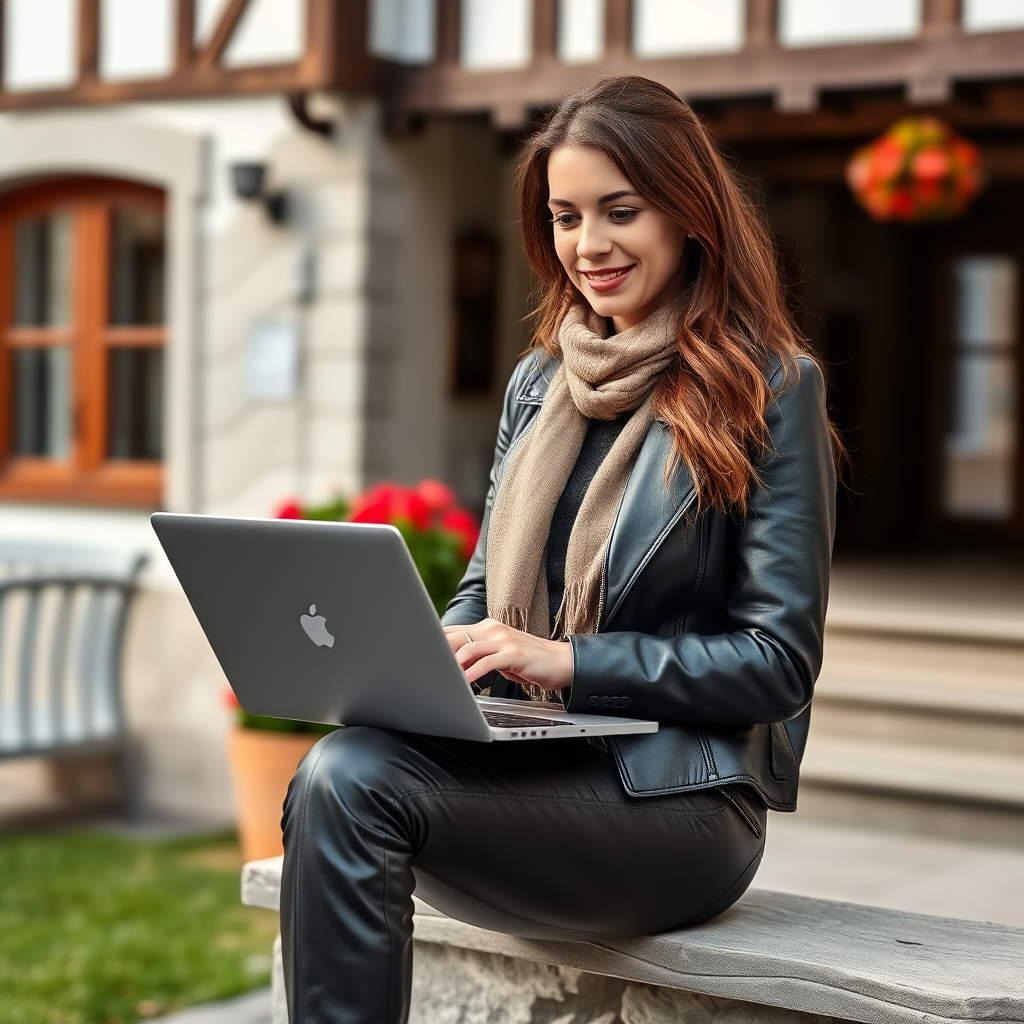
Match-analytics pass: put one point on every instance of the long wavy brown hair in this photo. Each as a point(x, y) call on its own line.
point(734, 323)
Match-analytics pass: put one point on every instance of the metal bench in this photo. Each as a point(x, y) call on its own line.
point(63, 610)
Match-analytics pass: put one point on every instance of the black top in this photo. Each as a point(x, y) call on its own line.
point(600, 437)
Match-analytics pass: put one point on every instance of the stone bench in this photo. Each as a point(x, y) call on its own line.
point(773, 958)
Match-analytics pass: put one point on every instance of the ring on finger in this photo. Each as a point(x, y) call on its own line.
point(472, 642)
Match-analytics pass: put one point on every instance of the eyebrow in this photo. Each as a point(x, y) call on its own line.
point(610, 198)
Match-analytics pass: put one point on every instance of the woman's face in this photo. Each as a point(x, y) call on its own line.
point(623, 253)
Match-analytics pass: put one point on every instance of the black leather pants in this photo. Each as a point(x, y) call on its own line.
point(535, 839)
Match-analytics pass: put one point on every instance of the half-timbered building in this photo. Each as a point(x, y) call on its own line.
point(251, 249)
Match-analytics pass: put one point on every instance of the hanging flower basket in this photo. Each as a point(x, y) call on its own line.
point(919, 170)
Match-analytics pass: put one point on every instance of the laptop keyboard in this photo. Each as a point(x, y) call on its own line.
point(503, 720)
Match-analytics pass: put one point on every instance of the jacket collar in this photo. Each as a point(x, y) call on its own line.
point(650, 506)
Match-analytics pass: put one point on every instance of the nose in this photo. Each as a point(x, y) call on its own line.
point(593, 241)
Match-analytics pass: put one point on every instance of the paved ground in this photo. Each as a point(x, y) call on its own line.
point(253, 1008)
point(885, 869)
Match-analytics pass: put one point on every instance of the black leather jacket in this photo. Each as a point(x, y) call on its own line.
point(709, 624)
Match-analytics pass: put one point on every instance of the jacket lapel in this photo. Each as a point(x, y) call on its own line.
point(649, 509)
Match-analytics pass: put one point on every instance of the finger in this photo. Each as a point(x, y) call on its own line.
point(500, 661)
point(468, 653)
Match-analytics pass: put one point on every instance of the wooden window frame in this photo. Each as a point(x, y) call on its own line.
point(87, 475)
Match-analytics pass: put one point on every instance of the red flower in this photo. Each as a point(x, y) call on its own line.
point(387, 503)
point(230, 700)
point(380, 496)
point(438, 496)
point(376, 512)
point(291, 509)
point(465, 527)
point(410, 506)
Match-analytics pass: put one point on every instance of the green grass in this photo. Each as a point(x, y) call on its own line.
point(96, 929)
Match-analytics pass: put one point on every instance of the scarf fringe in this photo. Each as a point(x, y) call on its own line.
point(578, 613)
point(511, 615)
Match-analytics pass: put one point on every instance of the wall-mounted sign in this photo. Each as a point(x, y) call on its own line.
point(272, 360)
point(919, 170)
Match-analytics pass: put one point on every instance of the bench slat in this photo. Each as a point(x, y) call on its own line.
point(818, 956)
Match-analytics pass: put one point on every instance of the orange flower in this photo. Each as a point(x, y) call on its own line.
point(920, 169)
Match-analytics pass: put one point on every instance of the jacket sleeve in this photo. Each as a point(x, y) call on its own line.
point(764, 667)
point(469, 604)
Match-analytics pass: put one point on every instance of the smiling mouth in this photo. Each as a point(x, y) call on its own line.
point(607, 276)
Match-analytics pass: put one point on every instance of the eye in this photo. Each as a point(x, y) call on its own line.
point(623, 214)
point(566, 219)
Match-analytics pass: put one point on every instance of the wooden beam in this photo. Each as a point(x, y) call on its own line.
point(618, 27)
point(216, 81)
point(214, 49)
point(88, 40)
point(545, 30)
point(849, 68)
point(762, 24)
point(997, 114)
point(184, 35)
point(941, 17)
point(449, 30)
point(337, 51)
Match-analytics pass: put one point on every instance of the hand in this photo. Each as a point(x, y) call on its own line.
point(491, 646)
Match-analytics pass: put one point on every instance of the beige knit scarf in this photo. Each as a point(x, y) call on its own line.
point(599, 378)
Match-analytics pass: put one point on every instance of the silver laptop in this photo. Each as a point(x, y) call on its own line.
point(330, 622)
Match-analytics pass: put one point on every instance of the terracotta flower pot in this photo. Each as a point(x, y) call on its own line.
point(262, 765)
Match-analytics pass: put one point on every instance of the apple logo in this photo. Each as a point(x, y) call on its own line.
point(316, 628)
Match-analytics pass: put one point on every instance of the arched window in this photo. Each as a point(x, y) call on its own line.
point(82, 315)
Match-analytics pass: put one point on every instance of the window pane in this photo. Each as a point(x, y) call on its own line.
point(665, 28)
point(137, 266)
point(42, 402)
point(403, 30)
point(136, 413)
point(817, 23)
point(580, 30)
point(981, 444)
point(496, 35)
point(993, 15)
point(43, 271)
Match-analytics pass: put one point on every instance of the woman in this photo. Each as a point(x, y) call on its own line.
point(656, 544)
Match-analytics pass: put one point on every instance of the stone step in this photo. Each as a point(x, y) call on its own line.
point(922, 703)
point(913, 769)
point(945, 624)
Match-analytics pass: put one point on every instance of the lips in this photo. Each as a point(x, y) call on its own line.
point(607, 279)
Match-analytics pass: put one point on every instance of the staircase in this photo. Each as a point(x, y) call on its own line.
point(921, 696)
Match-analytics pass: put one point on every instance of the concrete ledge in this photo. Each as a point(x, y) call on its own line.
point(817, 957)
